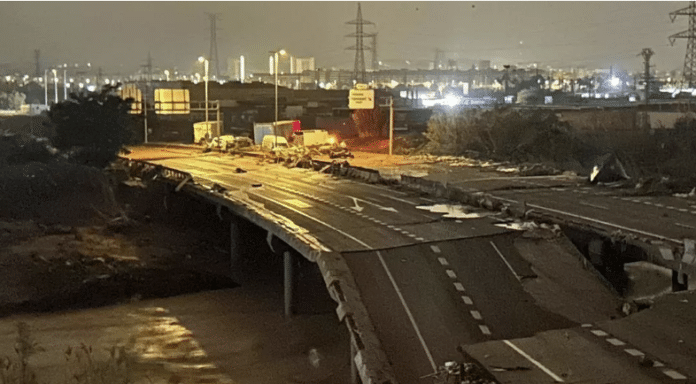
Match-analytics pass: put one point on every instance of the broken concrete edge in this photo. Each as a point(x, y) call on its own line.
point(569, 247)
point(344, 169)
point(371, 361)
point(655, 248)
point(677, 256)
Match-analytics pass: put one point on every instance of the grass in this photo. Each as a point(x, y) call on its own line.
point(81, 367)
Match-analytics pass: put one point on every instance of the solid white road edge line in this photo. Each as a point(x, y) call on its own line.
point(593, 220)
point(408, 311)
point(531, 359)
point(506, 262)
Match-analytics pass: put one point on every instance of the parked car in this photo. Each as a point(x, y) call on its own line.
point(273, 142)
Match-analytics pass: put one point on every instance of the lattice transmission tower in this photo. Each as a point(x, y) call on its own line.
point(359, 47)
point(690, 34)
point(213, 56)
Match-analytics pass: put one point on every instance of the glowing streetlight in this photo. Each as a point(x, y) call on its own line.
point(204, 60)
point(275, 70)
point(55, 83)
point(46, 87)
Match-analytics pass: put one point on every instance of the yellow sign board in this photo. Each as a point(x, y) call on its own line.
point(361, 99)
point(172, 101)
point(132, 91)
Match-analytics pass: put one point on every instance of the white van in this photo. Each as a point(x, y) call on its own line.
point(271, 142)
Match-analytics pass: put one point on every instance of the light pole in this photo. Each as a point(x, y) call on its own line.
point(205, 61)
point(55, 84)
point(46, 87)
point(275, 70)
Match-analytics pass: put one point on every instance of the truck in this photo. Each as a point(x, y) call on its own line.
point(284, 128)
point(313, 137)
point(205, 131)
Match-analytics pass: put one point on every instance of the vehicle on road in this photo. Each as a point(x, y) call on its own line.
point(230, 142)
point(205, 131)
point(273, 142)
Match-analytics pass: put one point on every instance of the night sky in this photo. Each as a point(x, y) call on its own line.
point(117, 36)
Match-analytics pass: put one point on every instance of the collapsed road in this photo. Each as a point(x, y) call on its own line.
point(418, 276)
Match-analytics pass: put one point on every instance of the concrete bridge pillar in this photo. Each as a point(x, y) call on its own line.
point(289, 283)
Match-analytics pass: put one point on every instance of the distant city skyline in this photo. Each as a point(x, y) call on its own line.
point(117, 36)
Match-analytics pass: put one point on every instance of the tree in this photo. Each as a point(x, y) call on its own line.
point(504, 134)
point(12, 101)
point(370, 122)
point(92, 126)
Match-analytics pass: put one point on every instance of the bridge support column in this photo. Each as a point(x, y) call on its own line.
point(289, 281)
point(680, 281)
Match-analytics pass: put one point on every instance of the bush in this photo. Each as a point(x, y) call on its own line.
point(506, 134)
point(92, 126)
point(12, 101)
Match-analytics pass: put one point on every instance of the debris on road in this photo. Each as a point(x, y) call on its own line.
point(607, 169)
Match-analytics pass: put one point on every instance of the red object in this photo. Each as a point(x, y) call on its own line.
point(296, 126)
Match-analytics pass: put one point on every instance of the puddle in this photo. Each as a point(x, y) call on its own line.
point(453, 211)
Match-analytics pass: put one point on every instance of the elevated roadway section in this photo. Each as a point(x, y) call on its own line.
point(415, 276)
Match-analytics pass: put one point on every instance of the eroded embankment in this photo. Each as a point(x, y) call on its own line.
point(72, 238)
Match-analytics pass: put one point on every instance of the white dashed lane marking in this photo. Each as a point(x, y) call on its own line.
point(476, 315)
point(673, 374)
point(634, 352)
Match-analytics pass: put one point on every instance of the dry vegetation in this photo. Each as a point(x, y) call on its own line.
point(536, 136)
